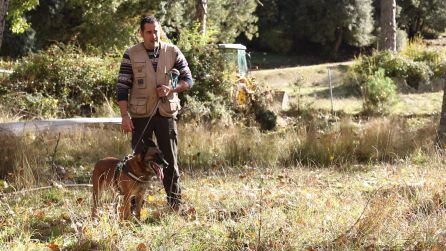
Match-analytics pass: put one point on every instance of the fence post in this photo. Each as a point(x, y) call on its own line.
point(331, 89)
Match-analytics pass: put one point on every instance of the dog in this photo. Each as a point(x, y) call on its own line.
point(129, 177)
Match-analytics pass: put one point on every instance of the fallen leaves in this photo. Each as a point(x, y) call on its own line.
point(53, 246)
point(141, 247)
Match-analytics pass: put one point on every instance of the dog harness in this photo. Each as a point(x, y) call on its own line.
point(122, 167)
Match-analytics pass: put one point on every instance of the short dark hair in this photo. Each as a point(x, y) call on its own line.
point(147, 20)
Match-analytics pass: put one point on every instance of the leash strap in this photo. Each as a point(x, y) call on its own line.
point(145, 128)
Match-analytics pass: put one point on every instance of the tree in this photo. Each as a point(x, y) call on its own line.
point(336, 21)
point(327, 23)
point(3, 11)
point(388, 25)
point(111, 25)
point(422, 17)
point(227, 18)
point(13, 10)
point(201, 8)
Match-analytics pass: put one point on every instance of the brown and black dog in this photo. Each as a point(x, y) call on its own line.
point(130, 179)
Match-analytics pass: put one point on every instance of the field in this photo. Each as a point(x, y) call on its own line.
point(309, 88)
point(319, 182)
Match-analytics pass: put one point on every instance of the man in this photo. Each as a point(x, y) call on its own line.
point(153, 103)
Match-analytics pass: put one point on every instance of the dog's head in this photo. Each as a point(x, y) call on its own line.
point(151, 157)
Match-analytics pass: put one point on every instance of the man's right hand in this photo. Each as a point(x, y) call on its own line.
point(126, 124)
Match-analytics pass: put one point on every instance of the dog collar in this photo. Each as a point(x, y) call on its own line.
point(122, 167)
point(135, 177)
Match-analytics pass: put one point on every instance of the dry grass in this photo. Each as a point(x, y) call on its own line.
point(244, 190)
point(382, 207)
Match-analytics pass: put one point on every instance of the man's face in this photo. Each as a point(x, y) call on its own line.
point(151, 34)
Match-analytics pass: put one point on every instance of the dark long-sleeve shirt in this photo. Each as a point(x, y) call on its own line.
point(125, 78)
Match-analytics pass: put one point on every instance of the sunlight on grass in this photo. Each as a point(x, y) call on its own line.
point(316, 185)
point(418, 104)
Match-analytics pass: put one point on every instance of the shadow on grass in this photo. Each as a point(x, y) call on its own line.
point(340, 91)
point(264, 60)
point(47, 230)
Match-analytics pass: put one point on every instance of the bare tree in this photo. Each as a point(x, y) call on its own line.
point(201, 8)
point(388, 25)
point(3, 11)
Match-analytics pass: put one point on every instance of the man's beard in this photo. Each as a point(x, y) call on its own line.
point(151, 45)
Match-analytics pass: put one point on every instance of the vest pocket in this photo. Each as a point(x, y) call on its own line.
point(170, 107)
point(173, 105)
point(138, 106)
point(139, 72)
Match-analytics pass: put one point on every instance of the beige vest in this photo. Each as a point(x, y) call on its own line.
point(143, 96)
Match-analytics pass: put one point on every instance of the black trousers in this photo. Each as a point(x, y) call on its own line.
point(166, 132)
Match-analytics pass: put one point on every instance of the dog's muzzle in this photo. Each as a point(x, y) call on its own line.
point(158, 165)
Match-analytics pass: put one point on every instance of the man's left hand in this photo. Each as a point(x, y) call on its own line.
point(163, 90)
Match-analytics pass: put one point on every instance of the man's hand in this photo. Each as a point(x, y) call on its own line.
point(126, 124)
point(163, 90)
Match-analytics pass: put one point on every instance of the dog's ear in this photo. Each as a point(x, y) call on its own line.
point(148, 143)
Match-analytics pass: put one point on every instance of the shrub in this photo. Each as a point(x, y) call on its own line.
point(415, 65)
point(378, 92)
point(434, 59)
point(62, 81)
point(214, 73)
point(266, 118)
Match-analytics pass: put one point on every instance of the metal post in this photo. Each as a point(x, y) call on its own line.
point(331, 89)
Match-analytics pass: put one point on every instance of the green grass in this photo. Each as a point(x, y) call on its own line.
point(308, 88)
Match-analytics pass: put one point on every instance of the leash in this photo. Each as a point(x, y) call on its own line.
point(147, 125)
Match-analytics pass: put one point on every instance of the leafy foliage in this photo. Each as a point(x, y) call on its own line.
point(62, 81)
point(104, 25)
point(347, 21)
point(228, 18)
point(210, 95)
point(16, 11)
point(422, 17)
point(378, 92)
point(414, 68)
point(415, 65)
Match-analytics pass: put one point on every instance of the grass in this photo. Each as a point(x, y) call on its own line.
point(384, 206)
point(319, 185)
point(308, 88)
point(322, 183)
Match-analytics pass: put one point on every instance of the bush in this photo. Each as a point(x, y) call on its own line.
point(211, 98)
point(415, 65)
point(62, 81)
point(266, 118)
point(434, 59)
point(378, 92)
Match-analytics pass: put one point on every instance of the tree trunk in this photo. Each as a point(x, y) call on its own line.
point(3, 11)
point(338, 41)
point(388, 25)
point(201, 12)
point(441, 132)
